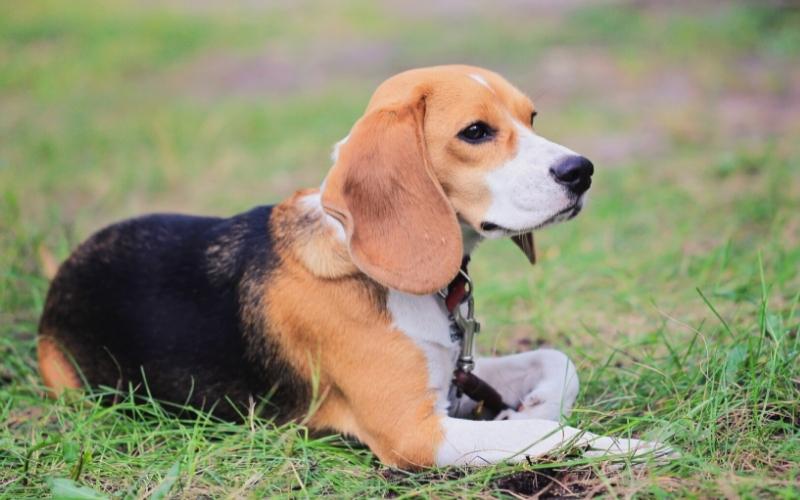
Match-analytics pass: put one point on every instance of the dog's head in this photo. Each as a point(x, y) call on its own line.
point(439, 150)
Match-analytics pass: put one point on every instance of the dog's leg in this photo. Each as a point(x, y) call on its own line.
point(469, 442)
point(541, 384)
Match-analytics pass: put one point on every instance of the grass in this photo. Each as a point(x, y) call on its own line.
point(676, 292)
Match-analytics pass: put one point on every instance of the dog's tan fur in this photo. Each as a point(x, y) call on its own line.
point(55, 368)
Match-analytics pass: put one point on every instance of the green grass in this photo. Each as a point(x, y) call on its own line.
point(676, 292)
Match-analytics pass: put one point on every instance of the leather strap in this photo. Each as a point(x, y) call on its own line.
point(457, 289)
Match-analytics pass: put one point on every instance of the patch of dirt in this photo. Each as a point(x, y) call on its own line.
point(450, 9)
point(550, 484)
point(650, 105)
point(573, 482)
point(24, 417)
point(655, 105)
point(280, 70)
point(215, 6)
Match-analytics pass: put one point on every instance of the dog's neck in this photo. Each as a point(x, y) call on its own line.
point(469, 238)
point(321, 245)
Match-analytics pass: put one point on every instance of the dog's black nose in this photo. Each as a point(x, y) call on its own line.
point(574, 172)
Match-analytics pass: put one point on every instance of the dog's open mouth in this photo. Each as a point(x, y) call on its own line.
point(523, 238)
point(562, 215)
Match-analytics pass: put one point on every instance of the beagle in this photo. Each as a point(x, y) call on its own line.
point(324, 308)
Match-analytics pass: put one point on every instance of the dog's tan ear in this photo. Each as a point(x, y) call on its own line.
point(401, 229)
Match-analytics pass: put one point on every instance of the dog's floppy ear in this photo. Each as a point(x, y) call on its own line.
point(401, 229)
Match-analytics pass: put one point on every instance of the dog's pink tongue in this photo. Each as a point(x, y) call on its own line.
point(525, 243)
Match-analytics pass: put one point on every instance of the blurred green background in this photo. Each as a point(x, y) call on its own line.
point(689, 110)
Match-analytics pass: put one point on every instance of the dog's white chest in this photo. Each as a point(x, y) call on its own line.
point(424, 319)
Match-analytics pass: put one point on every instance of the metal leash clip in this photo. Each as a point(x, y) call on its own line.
point(463, 329)
point(468, 327)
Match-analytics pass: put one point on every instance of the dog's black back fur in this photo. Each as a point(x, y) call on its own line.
point(167, 296)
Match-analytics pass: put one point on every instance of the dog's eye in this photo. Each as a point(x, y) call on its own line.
point(476, 133)
point(533, 117)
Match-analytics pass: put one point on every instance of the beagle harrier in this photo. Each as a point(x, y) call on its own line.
point(325, 308)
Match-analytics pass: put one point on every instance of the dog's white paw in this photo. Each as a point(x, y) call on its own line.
point(537, 405)
point(604, 446)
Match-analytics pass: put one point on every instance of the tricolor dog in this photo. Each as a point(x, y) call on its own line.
point(325, 308)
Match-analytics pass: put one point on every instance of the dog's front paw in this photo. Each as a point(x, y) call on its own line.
point(603, 446)
point(538, 404)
